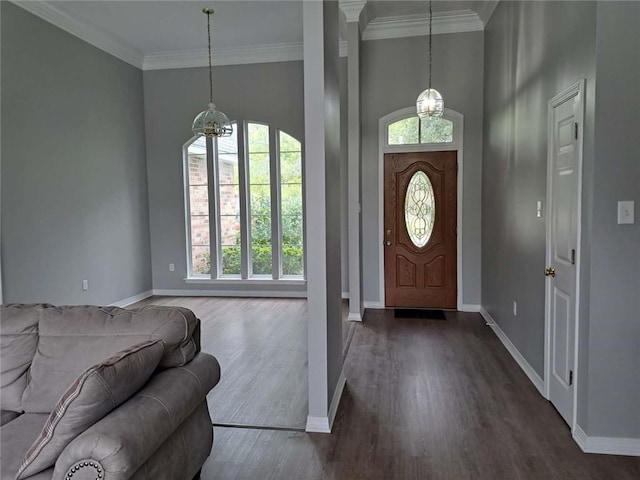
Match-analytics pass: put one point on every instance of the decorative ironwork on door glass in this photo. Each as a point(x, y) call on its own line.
point(419, 209)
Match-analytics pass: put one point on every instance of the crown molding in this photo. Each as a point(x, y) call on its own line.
point(90, 34)
point(355, 10)
point(486, 10)
point(342, 25)
point(366, 16)
point(352, 9)
point(282, 52)
point(416, 25)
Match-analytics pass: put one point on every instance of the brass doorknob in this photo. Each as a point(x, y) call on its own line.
point(388, 243)
point(549, 272)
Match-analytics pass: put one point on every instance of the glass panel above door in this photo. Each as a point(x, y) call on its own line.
point(413, 131)
point(404, 132)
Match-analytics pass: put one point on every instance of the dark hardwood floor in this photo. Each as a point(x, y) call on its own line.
point(425, 399)
point(261, 345)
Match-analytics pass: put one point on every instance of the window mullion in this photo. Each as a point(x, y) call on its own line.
point(276, 223)
point(187, 203)
point(214, 222)
point(243, 172)
point(304, 211)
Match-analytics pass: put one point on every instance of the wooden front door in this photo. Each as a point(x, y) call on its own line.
point(420, 216)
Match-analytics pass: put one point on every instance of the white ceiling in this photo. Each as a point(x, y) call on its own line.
point(172, 34)
point(180, 26)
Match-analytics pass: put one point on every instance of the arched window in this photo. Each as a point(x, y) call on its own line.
point(413, 131)
point(244, 205)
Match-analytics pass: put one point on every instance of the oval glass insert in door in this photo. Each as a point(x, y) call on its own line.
point(419, 209)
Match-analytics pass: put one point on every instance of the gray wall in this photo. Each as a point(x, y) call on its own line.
point(393, 74)
point(74, 194)
point(533, 50)
point(268, 92)
point(614, 293)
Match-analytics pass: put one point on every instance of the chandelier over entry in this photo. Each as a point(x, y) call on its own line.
point(430, 102)
point(211, 122)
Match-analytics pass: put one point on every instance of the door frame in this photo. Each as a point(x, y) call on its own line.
point(577, 89)
point(457, 145)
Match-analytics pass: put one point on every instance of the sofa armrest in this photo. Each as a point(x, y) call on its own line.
point(123, 440)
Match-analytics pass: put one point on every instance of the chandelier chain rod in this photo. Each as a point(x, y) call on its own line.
point(210, 72)
point(430, 17)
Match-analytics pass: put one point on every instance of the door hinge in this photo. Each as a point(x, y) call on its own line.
point(573, 256)
point(570, 377)
point(575, 130)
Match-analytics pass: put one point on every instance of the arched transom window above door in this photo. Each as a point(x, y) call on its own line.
point(414, 131)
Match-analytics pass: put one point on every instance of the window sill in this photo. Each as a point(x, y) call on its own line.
point(248, 281)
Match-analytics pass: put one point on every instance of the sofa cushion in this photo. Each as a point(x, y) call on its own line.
point(98, 391)
point(71, 339)
point(17, 437)
point(18, 343)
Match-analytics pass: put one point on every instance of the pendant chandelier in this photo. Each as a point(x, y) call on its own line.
point(211, 122)
point(430, 102)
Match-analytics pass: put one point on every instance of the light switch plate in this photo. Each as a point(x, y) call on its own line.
point(539, 209)
point(625, 212)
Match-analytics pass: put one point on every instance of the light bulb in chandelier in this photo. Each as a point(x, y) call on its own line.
point(430, 104)
point(211, 122)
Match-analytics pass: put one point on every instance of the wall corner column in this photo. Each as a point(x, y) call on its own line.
point(353, 12)
point(322, 196)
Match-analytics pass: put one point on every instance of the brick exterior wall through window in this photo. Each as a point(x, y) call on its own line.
point(199, 199)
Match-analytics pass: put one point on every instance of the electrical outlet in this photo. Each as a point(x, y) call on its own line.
point(515, 309)
point(625, 212)
point(172, 267)
point(85, 285)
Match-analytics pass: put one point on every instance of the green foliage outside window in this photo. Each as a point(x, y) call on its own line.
point(292, 259)
point(260, 207)
point(428, 130)
point(436, 130)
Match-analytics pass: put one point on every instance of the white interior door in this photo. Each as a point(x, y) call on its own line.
point(563, 199)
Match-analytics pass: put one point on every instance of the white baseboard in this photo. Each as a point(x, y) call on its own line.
point(373, 305)
point(324, 424)
point(511, 348)
point(345, 295)
point(580, 437)
point(354, 317)
point(469, 307)
point(606, 445)
point(317, 425)
point(125, 302)
point(229, 293)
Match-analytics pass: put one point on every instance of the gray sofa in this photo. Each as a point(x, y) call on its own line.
point(103, 393)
